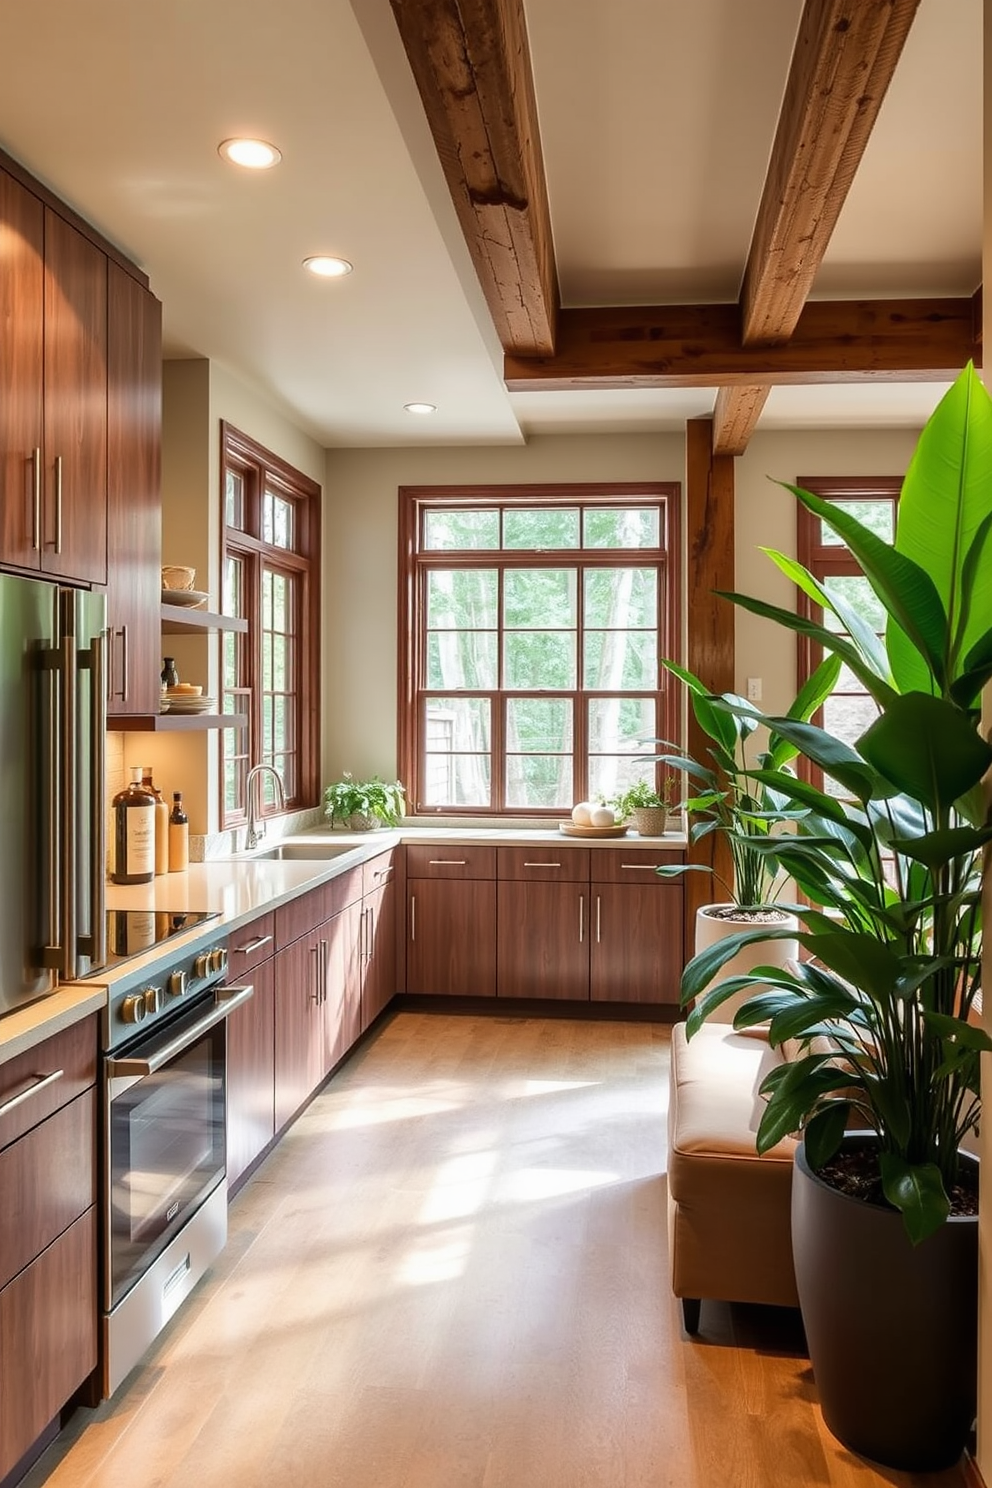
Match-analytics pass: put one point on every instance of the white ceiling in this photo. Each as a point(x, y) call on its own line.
point(657, 119)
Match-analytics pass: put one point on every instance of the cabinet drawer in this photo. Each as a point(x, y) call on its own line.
point(48, 1337)
point(48, 1179)
point(451, 862)
point(377, 872)
point(634, 865)
point(300, 916)
point(250, 945)
point(562, 864)
point(69, 1056)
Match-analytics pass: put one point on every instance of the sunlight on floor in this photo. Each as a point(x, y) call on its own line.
point(461, 1188)
point(433, 1259)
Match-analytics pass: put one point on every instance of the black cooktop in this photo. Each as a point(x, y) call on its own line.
point(131, 931)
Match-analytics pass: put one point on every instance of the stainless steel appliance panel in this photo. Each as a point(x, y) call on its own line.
point(52, 723)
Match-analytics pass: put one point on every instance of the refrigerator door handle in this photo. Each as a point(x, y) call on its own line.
point(68, 801)
point(48, 662)
point(95, 944)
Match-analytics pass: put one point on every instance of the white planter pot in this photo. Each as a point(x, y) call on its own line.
point(712, 926)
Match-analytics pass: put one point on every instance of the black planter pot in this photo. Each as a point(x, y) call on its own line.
point(892, 1328)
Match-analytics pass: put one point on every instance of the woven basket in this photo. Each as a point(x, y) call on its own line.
point(649, 821)
point(360, 821)
point(175, 576)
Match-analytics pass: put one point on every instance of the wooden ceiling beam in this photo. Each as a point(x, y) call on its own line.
point(471, 62)
point(844, 58)
point(700, 346)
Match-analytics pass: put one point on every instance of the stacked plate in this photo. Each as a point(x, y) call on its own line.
point(188, 598)
point(186, 703)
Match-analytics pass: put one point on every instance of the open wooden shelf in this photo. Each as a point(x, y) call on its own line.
point(181, 620)
point(158, 723)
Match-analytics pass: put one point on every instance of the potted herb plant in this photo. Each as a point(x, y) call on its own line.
point(886, 1082)
point(364, 804)
point(647, 809)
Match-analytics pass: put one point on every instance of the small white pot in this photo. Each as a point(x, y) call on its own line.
point(712, 926)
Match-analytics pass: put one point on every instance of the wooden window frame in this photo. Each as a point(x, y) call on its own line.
point(414, 562)
point(829, 560)
point(260, 467)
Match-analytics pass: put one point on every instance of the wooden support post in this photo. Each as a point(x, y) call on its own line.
point(710, 624)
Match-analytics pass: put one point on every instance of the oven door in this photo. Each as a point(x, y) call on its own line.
point(165, 1135)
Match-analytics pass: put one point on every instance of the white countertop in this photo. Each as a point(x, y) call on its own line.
point(240, 888)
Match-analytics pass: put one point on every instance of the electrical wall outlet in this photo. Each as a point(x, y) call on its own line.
point(754, 689)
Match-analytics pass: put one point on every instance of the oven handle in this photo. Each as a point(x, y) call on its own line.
point(228, 998)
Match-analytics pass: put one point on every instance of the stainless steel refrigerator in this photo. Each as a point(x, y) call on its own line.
point(53, 718)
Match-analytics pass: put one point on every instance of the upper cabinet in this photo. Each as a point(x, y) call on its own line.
point(134, 532)
point(53, 392)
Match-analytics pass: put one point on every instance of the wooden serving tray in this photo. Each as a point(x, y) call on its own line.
point(572, 829)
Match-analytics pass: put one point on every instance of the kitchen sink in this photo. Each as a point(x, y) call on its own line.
point(303, 852)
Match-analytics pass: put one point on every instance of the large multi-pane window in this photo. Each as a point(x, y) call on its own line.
point(849, 710)
point(270, 568)
point(533, 624)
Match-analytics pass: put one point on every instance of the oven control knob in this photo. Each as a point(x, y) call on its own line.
point(201, 967)
point(218, 959)
point(177, 984)
point(153, 999)
point(133, 1009)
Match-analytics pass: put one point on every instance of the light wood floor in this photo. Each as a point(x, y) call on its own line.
point(452, 1274)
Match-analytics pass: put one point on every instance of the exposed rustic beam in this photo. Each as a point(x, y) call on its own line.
point(844, 58)
point(845, 55)
point(700, 346)
point(710, 567)
point(471, 62)
point(735, 417)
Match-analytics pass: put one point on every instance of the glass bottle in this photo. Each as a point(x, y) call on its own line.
point(133, 858)
point(161, 823)
point(178, 835)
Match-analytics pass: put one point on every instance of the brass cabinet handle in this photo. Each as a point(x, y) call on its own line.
point(582, 908)
point(598, 904)
point(446, 863)
point(542, 865)
point(58, 503)
point(36, 490)
point(413, 917)
point(38, 1084)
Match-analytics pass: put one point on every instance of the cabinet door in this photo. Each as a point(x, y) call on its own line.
point(251, 1036)
point(74, 508)
point(379, 952)
point(134, 524)
point(451, 937)
point(636, 946)
point(299, 1042)
point(542, 948)
point(341, 936)
point(48, 1337)
point(22, 310)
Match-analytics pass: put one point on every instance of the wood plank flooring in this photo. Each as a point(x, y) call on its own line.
point(452, 1274)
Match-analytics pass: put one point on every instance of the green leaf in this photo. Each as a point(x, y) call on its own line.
point(824, 1132)
point(703, 967)
point(794, 1096)
point(811, 696)
point(860, 631)
point(858, 958)
point(917, 1190)
point(946, 495)
point(928, 748)
point(833, 756)
point(957, 1031)
point(943, 846)
point(905, 587)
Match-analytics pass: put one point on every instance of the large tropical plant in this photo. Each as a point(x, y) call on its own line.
point(889, 858)
point(727, 796)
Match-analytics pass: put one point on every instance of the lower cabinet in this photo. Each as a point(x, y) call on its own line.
point(542, 948)
point(251, 1035)
point(299, 1064)
point(451, 937)
point(340, 939)
point(635, 952)
point(378, 951)
point(48, 1228)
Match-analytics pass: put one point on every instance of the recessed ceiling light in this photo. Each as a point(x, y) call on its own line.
point(420, 407)
point(254, 154)
point(327, 268)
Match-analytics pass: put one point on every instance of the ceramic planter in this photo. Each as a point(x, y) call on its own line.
point(362, 821)
point(891, 1327)
point(713, 925)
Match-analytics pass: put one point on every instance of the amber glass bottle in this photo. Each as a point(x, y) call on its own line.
point(133, 860)
point(178, 835)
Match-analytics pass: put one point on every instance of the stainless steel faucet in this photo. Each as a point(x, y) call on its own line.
point(256, 830)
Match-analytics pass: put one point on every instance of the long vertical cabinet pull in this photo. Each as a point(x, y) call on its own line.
point(97, 833)
point(36, 499)
point(413, 917)
point(582, 913)
point(598, 904)
point(323, 970)
point(58, 503)
point(370, 934)
point(124, 664)
point(315, 993)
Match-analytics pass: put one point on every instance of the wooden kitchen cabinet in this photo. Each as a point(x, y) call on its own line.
point(451, 936)
point(53, 392)
point(251, 1047)
point(341, 943)
point(300, 1060)
point(542, 949)
point(378, 951)
point(636, 945)
point(48, 1259)
point(134, 484)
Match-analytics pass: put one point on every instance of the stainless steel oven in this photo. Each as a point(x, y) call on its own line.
point(164, 1158)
